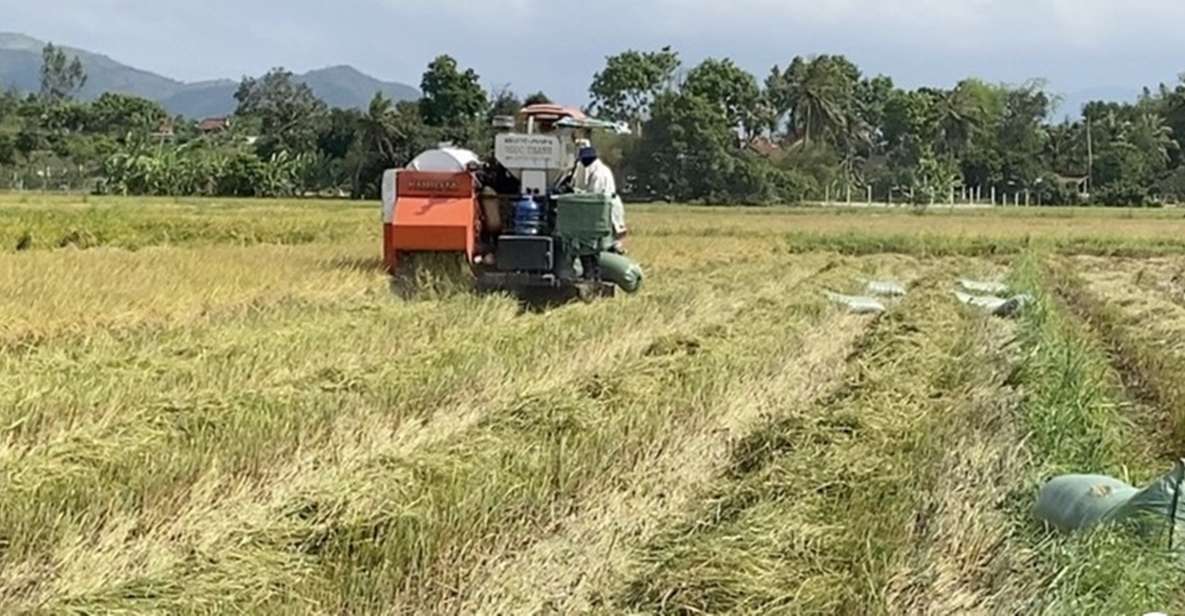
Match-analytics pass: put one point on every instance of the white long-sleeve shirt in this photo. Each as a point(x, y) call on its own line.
point(598, 178)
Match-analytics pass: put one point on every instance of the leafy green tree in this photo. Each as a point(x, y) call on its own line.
point(326, 168)
point(452, 97)
point(689, 152)
point(66, 117)
point(7, 149)
point(241, 175)
point(1021, 135)
point(504, 103)
point(684, 154)
point(627, 87)
point(120, 113)
point(733, 91)
point(288, 111)
point(538, 98)
point(339, 132)
point(61, 77)
point(9, 103)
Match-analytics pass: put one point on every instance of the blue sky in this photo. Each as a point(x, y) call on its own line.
point(557, 46)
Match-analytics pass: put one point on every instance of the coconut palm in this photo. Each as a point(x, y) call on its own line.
point(817, 93)
point(960, 116)
point(1149, 134)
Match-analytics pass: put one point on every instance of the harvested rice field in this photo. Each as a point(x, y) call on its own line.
point(223, 407)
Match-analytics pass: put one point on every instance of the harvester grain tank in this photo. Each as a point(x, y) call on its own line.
point(514, 219)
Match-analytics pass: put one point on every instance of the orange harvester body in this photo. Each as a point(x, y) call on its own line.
point(433, 212)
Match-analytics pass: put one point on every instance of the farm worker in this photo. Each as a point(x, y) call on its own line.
point(594, 176)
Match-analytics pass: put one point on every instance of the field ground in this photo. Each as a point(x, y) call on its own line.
point(212, 406)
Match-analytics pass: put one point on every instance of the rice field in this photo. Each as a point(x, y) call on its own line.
point(221, 406)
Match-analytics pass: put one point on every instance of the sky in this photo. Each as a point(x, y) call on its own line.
point(1099, 45)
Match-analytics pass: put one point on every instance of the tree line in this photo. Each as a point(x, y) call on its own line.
point(816, 128)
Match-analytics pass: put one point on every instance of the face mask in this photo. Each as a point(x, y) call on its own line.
point(587, 161)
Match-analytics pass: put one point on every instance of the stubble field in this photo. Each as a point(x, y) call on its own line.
point(220, 406)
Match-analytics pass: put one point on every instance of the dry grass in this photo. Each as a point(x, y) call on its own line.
point(205, 431)
point(79, 293)
point(842, 506)
point(939, 232)
point(569, 570)
point(212, 406)
point(966, 557)
point(1137, 306)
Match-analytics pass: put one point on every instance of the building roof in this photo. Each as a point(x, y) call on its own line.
point(212, 124)
point(552, 111)
point(764, 147)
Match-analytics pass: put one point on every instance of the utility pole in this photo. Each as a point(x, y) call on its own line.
point(1089, 158)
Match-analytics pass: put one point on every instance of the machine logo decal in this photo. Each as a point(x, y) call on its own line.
point(435, 185)
point(517, 151)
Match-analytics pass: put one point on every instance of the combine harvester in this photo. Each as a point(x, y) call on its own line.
point(514, 221)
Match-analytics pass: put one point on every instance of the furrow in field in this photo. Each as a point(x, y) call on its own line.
point(885, 498)
point(92, 525)
point(964, 553)
point(564, 572)
point(571, 569)
point(1135, 308)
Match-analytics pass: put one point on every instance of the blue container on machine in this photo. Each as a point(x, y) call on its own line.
point(529, 217)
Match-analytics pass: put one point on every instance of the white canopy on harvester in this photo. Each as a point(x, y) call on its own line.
point(444, 158)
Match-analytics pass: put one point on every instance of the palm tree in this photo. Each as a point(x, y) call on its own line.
point(959, 117)
point(1065, 148)
point(378, 132)
point(1149, 133)
point(379, 128)
point(818, 94)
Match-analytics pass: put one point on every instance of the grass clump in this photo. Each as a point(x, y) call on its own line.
point(840, 507)
point(1080, 421)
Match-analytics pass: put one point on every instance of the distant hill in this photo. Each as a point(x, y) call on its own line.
point(339, 86)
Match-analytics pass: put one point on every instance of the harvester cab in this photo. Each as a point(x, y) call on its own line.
point(513, 219)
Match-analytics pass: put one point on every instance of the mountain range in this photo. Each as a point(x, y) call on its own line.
point(338, 86)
